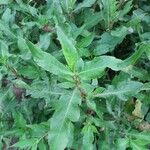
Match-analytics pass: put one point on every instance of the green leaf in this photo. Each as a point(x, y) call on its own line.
point(139, 73)
point(68, 4)
point(2, 2)
point(68, 48)
point(142, 142)
point(38, 130)
point(123, 91)
point(86, 41)
point(26, 143)
point(21, 84)
point(7, 16)
point(110, 12)
point(122, 144)
point(44, 41)
point(147, 49)
point(30, 70)
point(4, 53)
point(146, 86)
point(24, 50)
point(59, 138)
point(142, 139)
point(136, 146)
point(109, 40)
point(85, 3)
point(47, 61)
point(67, 111)
point(146, 36)
point(71, 3)
point(96, 67)
point(27, 8)
point(134, 57)
point(82, 70)
point(42, 145)
point(88, 137)
point(91, 19)
point(39, 89)
point(7, 31)
point(140, 135)
point(19, 119)
point(127, 7)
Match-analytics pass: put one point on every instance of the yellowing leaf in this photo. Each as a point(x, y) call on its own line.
point(137, 112)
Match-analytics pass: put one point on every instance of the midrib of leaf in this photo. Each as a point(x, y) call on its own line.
point(98, 68)
point(55, 93)
point(65, 116)
point(112, 93)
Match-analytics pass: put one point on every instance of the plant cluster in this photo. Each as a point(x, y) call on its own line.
point(75, 74)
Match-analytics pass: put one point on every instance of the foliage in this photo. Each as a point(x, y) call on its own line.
point(75, 74)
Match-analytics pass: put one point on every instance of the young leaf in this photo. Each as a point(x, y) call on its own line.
point(67, 111)
point(68, 48)
point(47, 61)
